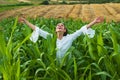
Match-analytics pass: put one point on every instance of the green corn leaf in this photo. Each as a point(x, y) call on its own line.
point(75, 69)
point(103, 73)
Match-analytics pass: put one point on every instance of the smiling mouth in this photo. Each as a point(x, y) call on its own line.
point(59, 28)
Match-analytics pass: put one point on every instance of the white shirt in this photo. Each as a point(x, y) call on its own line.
point(65, 43)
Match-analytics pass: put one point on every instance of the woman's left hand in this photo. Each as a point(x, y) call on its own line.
point(99, 19)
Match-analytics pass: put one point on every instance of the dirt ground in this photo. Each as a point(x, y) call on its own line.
point(86, 12)
point(24, 1)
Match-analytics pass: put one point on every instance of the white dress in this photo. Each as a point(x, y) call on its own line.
point(65, 43)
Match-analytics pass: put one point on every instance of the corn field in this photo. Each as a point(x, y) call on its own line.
point(92, 59)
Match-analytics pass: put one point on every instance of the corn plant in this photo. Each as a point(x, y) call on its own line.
point(91, 59)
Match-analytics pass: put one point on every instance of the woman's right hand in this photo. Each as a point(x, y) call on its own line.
point(21, 19)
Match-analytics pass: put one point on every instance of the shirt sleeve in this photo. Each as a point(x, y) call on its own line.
point(35, 34)
point(90, 32)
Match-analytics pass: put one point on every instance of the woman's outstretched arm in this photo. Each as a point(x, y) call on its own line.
point(87, 28)
point(23, 20)
point(36, 30)
point(96, 20)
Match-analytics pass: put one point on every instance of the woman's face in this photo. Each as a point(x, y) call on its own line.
point(60, 28)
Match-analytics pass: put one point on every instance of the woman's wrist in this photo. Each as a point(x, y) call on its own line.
point(91, 24)
point(25, 21)
point(94, 22)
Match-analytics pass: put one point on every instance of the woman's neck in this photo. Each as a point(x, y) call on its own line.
point(60, 35)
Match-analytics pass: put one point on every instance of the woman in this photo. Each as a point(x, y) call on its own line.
point(64, 40)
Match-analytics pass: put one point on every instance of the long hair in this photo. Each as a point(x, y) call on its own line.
point(65, 32)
